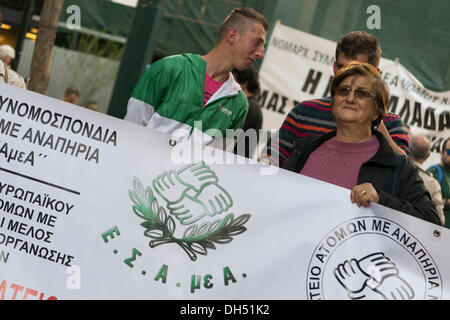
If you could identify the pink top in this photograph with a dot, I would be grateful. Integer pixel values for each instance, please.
(211, 87)
(339, 162)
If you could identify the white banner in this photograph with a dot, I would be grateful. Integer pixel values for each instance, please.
(93, 207)
(298, 66)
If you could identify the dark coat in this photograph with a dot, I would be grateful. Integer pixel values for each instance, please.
(253, 120)
(395, 177)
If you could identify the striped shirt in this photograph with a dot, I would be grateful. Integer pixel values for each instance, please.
(315, 117)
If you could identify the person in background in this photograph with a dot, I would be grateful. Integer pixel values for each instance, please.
(7, 54)
(358, 157)
(71, 95)
(314, 117)
(7, 75)
(248, 80)
(178, 93)
(441, 172)
(92, 105)
(420, 146)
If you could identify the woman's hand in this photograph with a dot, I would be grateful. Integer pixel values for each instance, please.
(363, 194)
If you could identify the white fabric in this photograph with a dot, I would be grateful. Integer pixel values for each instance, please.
(228, 88)
(284, 236)
(139, 112)
(14, 78)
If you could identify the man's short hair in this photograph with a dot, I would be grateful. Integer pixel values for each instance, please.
(71, 90)
(419, 150)
(445, 142)
(240, 19)
(359, 42)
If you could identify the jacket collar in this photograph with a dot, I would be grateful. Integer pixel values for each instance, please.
(420, 168)
(385, 155)
(229, 88)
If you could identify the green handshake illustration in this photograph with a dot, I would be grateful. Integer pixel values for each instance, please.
(192, 193)
(187, 207)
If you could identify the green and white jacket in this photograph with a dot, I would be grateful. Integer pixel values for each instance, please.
(169, 98)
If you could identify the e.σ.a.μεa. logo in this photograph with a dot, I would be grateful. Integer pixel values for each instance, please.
(193, 212)
(372, 258)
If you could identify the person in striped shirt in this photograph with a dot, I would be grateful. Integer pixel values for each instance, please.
(315, 117)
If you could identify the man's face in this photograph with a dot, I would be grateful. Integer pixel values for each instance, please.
(8, 60)
(71, 98)
(343, 60)
(93, 106)
(249, 46)
(444, 157)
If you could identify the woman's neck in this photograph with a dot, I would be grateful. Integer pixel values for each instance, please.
(353, 134)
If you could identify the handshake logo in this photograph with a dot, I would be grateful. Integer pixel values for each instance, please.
(373, 277)
(188, 207)
(192, 193)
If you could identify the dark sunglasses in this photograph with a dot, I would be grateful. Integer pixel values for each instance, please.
(447, 152)
(358, 93)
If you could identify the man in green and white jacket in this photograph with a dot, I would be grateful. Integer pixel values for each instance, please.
(184, 93)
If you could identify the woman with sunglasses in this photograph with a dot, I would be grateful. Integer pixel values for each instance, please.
(358, 157)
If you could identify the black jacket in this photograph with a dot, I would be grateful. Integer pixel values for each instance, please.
(393, 176)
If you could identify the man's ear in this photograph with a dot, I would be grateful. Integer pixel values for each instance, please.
(232, 36)
(334, 67)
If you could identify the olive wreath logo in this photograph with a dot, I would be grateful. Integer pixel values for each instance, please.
(195, 214)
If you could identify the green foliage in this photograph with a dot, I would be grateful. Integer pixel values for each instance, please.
(96, 46)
